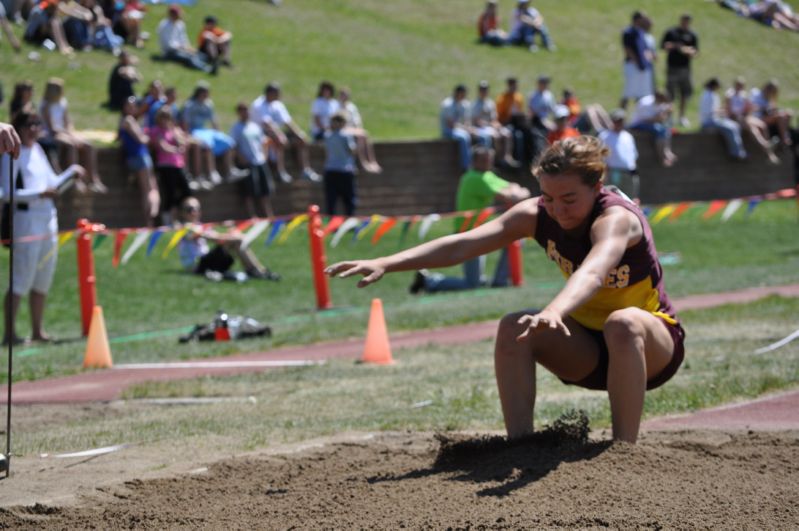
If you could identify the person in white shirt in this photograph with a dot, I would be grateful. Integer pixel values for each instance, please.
(323, 108)
(622, 161)
(526, 22)
(175, 44)
(486, 123)
(35, 224)
(271, 114)
(738, 107)
(653, 115)
(711, 119)
(455, 122)
(365, 148)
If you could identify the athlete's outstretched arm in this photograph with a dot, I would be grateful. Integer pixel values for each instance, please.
(516, 223)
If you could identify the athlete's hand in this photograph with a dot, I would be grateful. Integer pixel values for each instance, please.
(545, 320)
(372, 271)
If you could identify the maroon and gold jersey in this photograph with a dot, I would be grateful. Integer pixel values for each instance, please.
(637, 280)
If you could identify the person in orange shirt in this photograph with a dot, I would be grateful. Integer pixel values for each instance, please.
(214, 42)
(562, 128)
(488, 26)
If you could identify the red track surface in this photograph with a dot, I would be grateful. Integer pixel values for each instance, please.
(772, 413)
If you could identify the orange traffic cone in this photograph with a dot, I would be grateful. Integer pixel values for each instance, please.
(98, 352)
(377, 349)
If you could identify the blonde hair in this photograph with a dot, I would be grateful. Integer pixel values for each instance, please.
(582, 155)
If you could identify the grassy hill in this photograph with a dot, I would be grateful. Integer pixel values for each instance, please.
(401, 58)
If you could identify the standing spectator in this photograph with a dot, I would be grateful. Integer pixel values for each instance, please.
(339, 166)
(170, 144)
(711, 119)
(653, 115)
(454, 122)
(44, 23)
(485, 122)
(214, 42)
(324, 106)
(622, 161)
(682, 45)
(137, 157)
(562, 128)
(526, 22)
(58, 128)
(738, 107)
(6, 26)
(488, 26)
(637, 61)
(36, 187)
(271, 114)
(366, 150)
(651, 47)
(766, 108)
(175, 42)
(479, 188)
(120, 84)
(250, 140)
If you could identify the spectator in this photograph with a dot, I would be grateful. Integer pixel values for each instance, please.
(479, 188)
(22, 101)
(324, 106)
(120, 84)
(271, 114)
(59, 129)
(214, 42)
(137, 157)
(126, 18)
(36, 186)
(562, 128)
(12, 39)
(76, 20)
(682, 45)
(485, 122)
(175, 42)
(711, 119)
(766, 108)
(101, 34)
(525, 24)
(637, 61)
(738, 107)
(653, 115)
(622, 161)
(250, 140)
(215, 263)
(651, 46)
(573, 104)
(44, 24)
(366, 150)
(339, 166)
(170, 144)
(488, 26)
(510, 113)
(454, 121)
(541, 104)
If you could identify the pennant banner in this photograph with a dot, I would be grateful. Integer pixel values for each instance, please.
(483, 216)
(714, 208)
(65, 237)
(174, 241)
(98, 240)
(119, 240)
(257, 229)
(383, 229)
(138, 241)
(279, 224)
(732, 207)
(427, 222)
(373, 222)
(154, 237)
(296, 222)
(334, 223)
(663, 213)
(680, 210)
(345, 227)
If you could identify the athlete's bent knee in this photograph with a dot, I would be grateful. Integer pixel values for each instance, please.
(622, 327)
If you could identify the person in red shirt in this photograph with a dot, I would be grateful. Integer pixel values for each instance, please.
(488, 26)
(562, 128)
(214, 42)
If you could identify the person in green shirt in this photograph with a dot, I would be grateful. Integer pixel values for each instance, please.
(479, 188)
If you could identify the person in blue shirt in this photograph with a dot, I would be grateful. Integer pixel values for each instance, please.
(250, 153)
(339, 175)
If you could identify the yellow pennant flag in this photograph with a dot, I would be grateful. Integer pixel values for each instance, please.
(663, 213)
(174, 241)
(293, 224)
(65, 237)
(373, 221)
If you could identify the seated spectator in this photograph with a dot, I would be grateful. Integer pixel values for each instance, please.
(510, 113)
(137, 157)
(562, 128)
(711, 119)
(487, 126)
(101, 34)
(766, 108)
(271, 114)
(196, 257)
(775, 14)
(454, 120)
(6, 26)
(58, 128)
(214, 42)
(44, 24)
(169, 101)
(169, 143)
(526, 23)
(120, 84)
(250, 140)
(151, 101)
(622, 161)
(339, 175)
(541, 105)
(653, 114)
(510, 103)
(366, 150)
(126, 20)
(573, 104)
(175, 42)
(76, 21)
(738, 107)
(22, 100)
(488, 26)
(324, 106)
(479, 188)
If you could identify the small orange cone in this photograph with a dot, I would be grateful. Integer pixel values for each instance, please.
(98, 352)
(377, 349)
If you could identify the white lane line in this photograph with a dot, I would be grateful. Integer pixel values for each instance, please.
(218, 364)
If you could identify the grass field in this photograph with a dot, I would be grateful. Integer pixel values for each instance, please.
(402, 58)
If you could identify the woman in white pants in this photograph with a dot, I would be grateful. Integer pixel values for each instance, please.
(35, 225)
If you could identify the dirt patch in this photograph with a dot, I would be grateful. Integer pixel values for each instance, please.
(397, 480)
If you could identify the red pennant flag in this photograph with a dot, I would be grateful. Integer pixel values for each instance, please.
(483, 216)
(680, 210)
(467, 220)
(786, 193)
(383, 229)
(119, 240)
(714, 208)
(244, 225)
(334, 223)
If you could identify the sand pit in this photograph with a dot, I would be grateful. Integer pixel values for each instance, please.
(560, 478)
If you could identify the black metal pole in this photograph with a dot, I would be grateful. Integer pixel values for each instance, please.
(10, 338)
